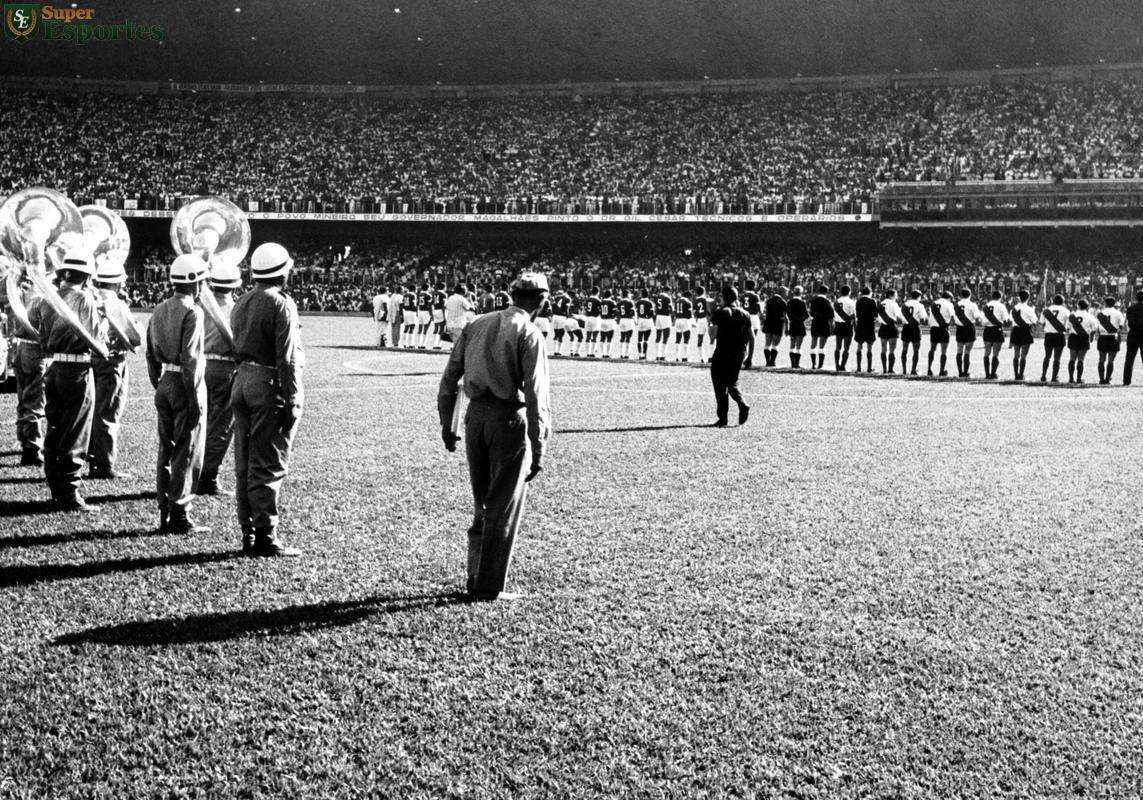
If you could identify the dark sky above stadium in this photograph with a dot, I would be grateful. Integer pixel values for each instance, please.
(514, 41)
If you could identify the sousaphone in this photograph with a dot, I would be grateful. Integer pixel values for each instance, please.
(219, 232)
(36, 226)
(105, 234)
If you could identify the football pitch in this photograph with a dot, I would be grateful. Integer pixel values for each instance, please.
(876, 588)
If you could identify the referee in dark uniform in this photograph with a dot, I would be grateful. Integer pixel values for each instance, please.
(733, 338)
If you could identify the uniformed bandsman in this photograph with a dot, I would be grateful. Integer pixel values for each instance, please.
(110, 379)
(1023, 319)
(996, 318)
(221, 364)
(176, 364)
(844, 313)
(1054, 318)
(267, 398)
(30, 367)
(967, 315)
(915, 316)
(69, 391)
(1111, 322)
(1082, 328)
(501, 358)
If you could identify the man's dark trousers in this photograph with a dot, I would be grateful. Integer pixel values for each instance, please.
(1134, 346)
(70, 394)
(724, 376)
(110, 375)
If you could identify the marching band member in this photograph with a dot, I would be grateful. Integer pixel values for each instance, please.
(940, 317)
(773, 325)
(607, 322)
(865, 312)
(626, 315)
(267, 399)
(68, 386)
(663, 322)
(645, 314)
(821, 326)
(592, 311)
(1112, 322)
(796, 313)
(31, 365)
(844, 313)
(1054, 318)
(967, 315)
(891, 317)
(110, 380)
(176, 364)
(996, 316)
(561, 310)
(915, 317)
(1023, 318)
(221, 364)
(684, 322)
(1134, 336)
(1082, 327)
(702, 311)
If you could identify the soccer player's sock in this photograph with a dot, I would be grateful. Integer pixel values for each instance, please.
(987, 367)
(1071, 371)
(944, 362)
(1079, 371)
(884, 363)
(892, 362)
(1044, 374)
(995, 365)
(869, 360)
(960, 365)
(1110, 369)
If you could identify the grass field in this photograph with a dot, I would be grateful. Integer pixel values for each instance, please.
(877, 588)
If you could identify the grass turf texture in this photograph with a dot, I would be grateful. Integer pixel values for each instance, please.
(874, 589)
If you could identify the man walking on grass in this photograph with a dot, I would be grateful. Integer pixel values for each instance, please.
(733, 338)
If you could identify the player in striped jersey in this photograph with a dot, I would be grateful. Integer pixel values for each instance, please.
(684, 321)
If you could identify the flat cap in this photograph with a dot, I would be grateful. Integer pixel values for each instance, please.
(531, 282)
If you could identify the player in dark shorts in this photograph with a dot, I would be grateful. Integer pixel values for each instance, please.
(865, 326)
(663, 322)
(844, 314)
(967, 315)
(773, 326)
(940, 317)
(1082, 328)
(733, 350)
(752, 305)
(891, 319)
(561, 310)
(1111, 322)
(915, 316)
(684, 322)
(702, 312)
(1055, 321)
(797, 312)
(626, 314)
(645, 322)
(1023, 318)
(439, 316)
(608, 322)
(821, 326)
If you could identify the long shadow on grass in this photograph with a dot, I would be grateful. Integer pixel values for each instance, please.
(19, 508)
(631, 430)
(24, 479)
(75, 536)
(202, 628)
(24, 575)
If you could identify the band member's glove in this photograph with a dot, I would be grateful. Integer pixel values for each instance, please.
(450, 439)
(534, 471)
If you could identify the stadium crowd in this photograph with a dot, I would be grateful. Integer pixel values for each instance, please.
(686, 153)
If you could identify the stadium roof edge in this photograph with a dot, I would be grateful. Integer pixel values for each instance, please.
(798, 83)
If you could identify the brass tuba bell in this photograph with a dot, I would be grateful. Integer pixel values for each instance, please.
(106, 236)
(36, 225)
(218, 231)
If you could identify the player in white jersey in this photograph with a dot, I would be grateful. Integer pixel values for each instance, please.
(1111, 323)
(1023, 318)
(967, 316)
(1082, 328)
(941, 316)
(996, 319)
(915, 316)
(1054, 318)
(890, 316)
(844, 313)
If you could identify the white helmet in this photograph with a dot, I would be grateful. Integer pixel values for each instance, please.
(109, 271)
(225, 276)
(188, 269)
(270, 260)
(79, 259)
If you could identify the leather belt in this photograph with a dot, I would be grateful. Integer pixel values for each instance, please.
(71, 358)
(22, 340)
(220, 357)
(171, 368)
(257, 365)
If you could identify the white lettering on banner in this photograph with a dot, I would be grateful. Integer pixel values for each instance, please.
(302, 216)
